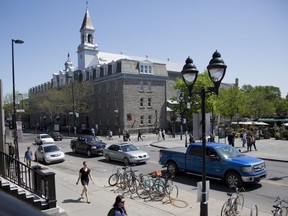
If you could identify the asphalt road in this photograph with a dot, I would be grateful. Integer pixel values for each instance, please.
(262, 194)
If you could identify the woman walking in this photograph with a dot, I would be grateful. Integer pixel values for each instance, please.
(84, 175)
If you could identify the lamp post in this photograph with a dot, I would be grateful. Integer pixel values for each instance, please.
(14, 105)
(216, 70)
(73, 106)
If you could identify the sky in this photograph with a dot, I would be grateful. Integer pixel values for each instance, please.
(251, 35)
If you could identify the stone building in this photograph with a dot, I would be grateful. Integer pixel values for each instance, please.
(128, 92)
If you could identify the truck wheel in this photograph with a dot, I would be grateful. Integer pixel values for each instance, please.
(172, 168)
(233, 179)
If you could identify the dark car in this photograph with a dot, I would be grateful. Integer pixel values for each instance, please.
(88, 145)
(56, 136)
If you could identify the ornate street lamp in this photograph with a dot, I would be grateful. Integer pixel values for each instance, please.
(216, 70)
(14, 105)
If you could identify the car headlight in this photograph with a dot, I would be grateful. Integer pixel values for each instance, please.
(248, 169)
(94, 147)
(133, 157)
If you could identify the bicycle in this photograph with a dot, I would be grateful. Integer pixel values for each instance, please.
(234, 205)
(143, 188)
(279, 208)
(169, 188)
(115, 177)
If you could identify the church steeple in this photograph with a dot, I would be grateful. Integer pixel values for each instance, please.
(88, 49)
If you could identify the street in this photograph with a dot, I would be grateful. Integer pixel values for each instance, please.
(263, 194)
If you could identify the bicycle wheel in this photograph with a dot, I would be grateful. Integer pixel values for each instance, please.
(142, 190)
(113, 179)
(124, 182)
(132, 185)
(239, 203)
(254, 210)
(226, 210)
(157, 192)
(173, 193)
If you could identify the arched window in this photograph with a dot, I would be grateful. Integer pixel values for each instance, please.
(90, 38)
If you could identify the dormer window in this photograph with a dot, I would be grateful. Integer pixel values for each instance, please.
(145, 67)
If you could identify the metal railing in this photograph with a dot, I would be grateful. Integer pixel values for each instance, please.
(31, 179)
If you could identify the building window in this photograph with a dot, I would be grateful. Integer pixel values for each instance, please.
(141, 102)
(87, 75)
(142, 120)
(150, 119)
(118, 68)
(141, 86)
(149, 89)
(149, 102)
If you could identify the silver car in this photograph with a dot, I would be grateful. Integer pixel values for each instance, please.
(49, 153)
(126, 153)
(43, 138)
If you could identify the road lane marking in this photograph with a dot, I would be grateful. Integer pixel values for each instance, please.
(275, 183)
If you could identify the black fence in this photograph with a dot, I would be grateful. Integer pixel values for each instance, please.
(32, 179)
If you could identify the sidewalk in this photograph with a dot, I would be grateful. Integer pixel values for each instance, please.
(102, 195)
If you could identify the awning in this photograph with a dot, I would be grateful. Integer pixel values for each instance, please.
(273, 119)
(172, 102)
(168, 109)
(250, 123)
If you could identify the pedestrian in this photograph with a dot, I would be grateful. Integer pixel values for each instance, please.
(92, 131)
(84, 175)
(191, 139)
(249, 141)
(253, 142)
(163, 134)
(118, 208)
(110, 134)
(139, 135)
(128, 136)
(231, 138)
(244, 138)
(159, 134)
(28, 156)
(11, 152)
(11, 149)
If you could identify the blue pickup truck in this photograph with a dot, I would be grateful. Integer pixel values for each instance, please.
(223, 162)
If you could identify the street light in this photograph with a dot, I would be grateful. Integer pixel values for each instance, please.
(216, 70)
(73, 107)
(14, 106)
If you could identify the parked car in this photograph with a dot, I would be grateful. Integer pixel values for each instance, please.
(223, 162)
(56, 136)
(88, 145)
(49, 153)
(126, 153)
(43, 138)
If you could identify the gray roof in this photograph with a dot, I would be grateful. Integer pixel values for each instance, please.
(87, 22)
(105, 58)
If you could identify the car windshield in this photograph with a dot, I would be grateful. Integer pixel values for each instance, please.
(51, 148)
(128, 148)
(228, 152)
(91, 139)
(45, 136)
